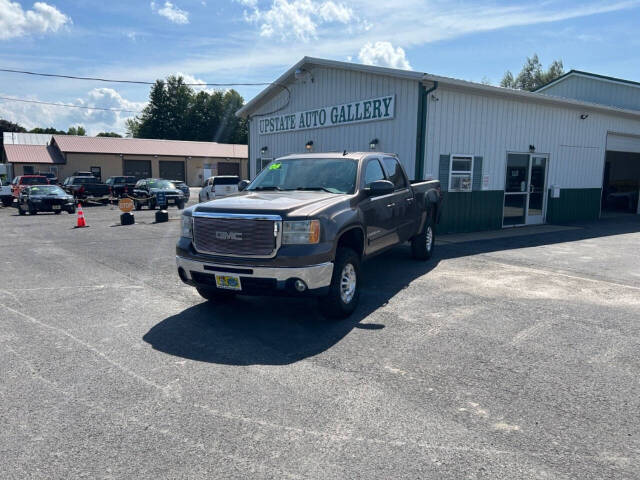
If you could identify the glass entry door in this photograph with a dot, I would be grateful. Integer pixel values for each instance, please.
(525, 192)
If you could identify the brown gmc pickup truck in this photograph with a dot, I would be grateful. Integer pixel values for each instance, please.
(303, 227)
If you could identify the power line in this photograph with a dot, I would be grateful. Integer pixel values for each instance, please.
(135, 82)
(69, 106)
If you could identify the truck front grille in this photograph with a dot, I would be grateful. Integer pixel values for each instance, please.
(234, 236)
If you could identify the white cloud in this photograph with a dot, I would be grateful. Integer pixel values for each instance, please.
(32, 115)
(171, 12)
(43, 18)
(383, 54)
(296, 18)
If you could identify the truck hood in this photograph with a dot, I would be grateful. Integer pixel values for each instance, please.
(296, 204)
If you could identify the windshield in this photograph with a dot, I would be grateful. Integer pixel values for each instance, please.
(46, 190)
(161, 184)
(334, 175)
(34, 180)
(85, 180)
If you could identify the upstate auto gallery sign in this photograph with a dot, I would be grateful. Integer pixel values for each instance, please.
(382, 108)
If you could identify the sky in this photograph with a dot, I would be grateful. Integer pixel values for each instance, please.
(257, 40)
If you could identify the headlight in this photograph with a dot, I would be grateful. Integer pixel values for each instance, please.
(187, 226)
(301, 232)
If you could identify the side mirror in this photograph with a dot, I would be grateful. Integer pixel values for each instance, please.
(243, 185)
(380, 187)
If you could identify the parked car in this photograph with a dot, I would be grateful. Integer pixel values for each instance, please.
(86, 188)
(304, 226)
(52, 177)
(156, 192)
(120, 186)
(217, 187)
(183, 187)
(45, 198)
(6, 196)
(23, 181)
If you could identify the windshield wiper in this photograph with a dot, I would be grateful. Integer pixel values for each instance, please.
(267, 188)
(319, 189)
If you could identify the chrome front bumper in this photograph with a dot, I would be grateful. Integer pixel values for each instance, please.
(315, 276)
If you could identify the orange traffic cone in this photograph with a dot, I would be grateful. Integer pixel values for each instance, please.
(81, 221)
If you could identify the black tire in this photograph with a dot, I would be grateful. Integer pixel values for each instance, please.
(422, 245)
(71, 210)
(180, 205)
(20, 210)
(137, 205)
(215, 295)
(57, 212)
(152, 204)
(7, 202)
(32, 210)
(339, 304)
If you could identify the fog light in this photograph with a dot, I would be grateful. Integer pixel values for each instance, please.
(300, 285)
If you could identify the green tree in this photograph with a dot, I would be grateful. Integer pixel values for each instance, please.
(49, 131)
(533, 75)
(176, 112)
(109, 134)
(79, 130)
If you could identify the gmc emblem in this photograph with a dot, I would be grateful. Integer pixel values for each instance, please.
(229, 235)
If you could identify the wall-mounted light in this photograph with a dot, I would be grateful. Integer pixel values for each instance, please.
(584, 116)
(303, 75)
(373, 144)
(532, 148)
(263, 150)
(309, 145)
(434, 98)
(121, 156)
(155, 156)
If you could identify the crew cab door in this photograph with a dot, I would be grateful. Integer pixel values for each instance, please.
(378, 217)
(402, 203)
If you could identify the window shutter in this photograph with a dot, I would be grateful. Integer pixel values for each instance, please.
(445, 162)
(477, 174)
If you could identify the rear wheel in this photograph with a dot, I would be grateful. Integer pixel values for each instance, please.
(215, 295)
(423, 243)
(344, 291)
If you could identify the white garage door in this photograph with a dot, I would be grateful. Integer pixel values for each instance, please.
(623, 143)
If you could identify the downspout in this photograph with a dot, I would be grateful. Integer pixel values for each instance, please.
(422, 129)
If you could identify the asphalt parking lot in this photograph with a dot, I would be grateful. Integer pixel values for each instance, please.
(502, 358)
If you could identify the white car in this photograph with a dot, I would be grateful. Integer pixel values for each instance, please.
(6, 197)
(219, 186)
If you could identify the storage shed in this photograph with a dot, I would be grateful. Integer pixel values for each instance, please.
(505, 157)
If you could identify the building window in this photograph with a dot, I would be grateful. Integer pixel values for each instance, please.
(261, 163)
(461, 173)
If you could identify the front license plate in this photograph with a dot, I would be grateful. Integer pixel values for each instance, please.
(228, 282)
(57, 207)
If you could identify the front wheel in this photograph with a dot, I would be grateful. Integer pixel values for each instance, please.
(21, 210)
(423, 243)
(137, 205)
(215, 295)
(344, 291)
(180, 205)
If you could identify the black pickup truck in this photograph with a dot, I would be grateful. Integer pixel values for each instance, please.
(303, 227)
(121, 186)
(86, 188)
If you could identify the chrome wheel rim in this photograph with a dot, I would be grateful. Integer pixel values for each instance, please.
(348, 282)
(429, 236)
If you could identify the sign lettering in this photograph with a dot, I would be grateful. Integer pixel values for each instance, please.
(382, 108)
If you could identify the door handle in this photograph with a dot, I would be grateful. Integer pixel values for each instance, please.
(391, 205)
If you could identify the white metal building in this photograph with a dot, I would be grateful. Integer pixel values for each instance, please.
(504, 157)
